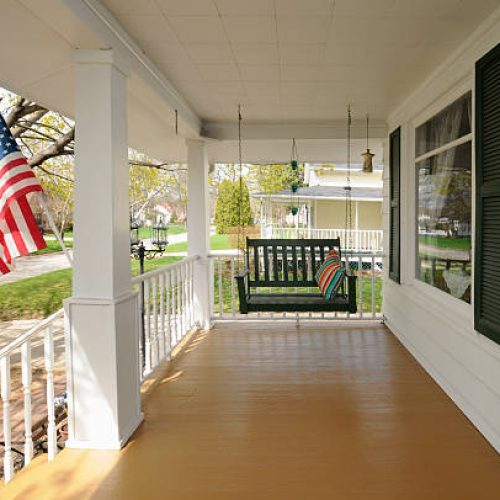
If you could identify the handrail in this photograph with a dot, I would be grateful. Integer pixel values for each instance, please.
(156, 272)
(19, 341)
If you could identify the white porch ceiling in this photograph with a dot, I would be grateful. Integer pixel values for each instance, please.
(297, 60)
(290, 63)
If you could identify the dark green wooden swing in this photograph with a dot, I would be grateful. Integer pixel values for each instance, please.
(278, 264)
(290, 263)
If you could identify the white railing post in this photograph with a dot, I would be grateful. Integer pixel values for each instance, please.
(26, 381)
(8, 465)
(49, 368)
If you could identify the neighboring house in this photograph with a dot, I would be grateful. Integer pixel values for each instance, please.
(322, 206)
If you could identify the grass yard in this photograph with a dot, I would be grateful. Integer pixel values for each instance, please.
(217, 242)
(145, 232)
(461, 243)
(228, 283)
(53, 246)
(42, 295)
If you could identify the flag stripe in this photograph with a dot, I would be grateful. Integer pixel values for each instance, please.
(19, 233)
(27, 186)
(31, 226)
(14, 230)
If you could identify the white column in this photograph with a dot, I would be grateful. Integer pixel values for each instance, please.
(198, 229)
(102, 317)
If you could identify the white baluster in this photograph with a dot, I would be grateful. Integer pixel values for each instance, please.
(154, 291)
(185, 269)
(49, 368)
(233, 298)
(147, 327)
(373, 288)
(219, 267)
(175, 336)
(180, 305)
(8, 465)
(360, 285)
(162, 316)
(191, 292)
(168, 293)
(26, 381)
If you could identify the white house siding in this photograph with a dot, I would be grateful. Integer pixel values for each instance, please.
(330, 214)
(437, 329)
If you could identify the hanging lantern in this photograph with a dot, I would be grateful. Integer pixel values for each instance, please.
(294, 210)
(159, 235)
(295, 187)
(367, 155)
(134, 232)
(294, 164)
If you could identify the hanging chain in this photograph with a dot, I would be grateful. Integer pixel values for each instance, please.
(348, 202)
(240, 183)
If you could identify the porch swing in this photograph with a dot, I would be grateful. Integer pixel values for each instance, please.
(293, 263)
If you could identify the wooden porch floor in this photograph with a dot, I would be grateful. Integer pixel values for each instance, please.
(268, 411)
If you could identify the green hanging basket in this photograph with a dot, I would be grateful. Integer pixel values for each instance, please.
(295, 186)
(294, 210)
(294, 164)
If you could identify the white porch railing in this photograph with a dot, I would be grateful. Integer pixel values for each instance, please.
(367, 267)
(362, 239)
(166, 310)
(30, 381)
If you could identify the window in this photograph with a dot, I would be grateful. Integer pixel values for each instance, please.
(443, 162)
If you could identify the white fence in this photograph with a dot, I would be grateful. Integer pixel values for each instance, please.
(369, 240)
(28, 393)
(167, 311)
(33, 374)
(366, 266)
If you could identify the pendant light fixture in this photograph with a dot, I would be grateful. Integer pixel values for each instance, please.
(367, 155)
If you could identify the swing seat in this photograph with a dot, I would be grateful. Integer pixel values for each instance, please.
(275, 265)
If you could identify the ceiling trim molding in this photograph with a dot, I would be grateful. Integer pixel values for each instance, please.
(100, 20)
(228, 131)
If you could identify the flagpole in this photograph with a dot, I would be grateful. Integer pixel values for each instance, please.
(52, 224)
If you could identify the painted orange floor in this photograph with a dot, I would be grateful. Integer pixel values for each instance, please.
(273, 412)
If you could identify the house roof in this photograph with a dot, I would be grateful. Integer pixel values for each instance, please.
(327, 193)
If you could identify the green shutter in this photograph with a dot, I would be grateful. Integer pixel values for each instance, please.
(487, 245)
(395, 197)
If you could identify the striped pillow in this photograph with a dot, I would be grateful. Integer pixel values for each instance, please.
(331, 274)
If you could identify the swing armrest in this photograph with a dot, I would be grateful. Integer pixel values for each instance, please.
(241, 280)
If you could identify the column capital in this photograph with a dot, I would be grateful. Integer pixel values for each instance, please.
(102, 56)
(196, 142)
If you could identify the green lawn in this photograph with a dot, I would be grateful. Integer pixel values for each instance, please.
(145, 232)
(227, 291)
(41, 296)
(217, 242)
(53, 246)
(462, 243)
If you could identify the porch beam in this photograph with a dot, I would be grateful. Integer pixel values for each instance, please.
(101, 21)
(336, 129)
(102, 316)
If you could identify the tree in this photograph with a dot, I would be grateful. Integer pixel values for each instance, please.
(232, 208)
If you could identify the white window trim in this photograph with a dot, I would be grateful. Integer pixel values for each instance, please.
(457, 306)
(449, 145)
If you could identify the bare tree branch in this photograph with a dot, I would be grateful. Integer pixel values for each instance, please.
(55, 149)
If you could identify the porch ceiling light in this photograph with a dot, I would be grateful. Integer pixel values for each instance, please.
(159, 235)
(367, 155)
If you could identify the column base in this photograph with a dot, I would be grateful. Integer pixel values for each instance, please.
(102, 359)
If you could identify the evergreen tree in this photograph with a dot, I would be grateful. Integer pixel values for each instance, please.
(227, 214)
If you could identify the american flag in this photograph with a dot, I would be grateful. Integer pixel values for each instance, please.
(19, 233)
